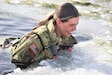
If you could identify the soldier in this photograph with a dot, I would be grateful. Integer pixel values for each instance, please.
(50, 36)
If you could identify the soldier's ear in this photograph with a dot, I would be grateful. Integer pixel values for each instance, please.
(58, 21)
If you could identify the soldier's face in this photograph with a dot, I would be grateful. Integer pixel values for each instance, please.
(66, 28)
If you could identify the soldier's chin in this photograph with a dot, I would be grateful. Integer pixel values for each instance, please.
(67, 35)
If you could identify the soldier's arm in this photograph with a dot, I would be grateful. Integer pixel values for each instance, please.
(67, 43)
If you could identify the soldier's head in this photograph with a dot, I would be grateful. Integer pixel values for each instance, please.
(66, 18)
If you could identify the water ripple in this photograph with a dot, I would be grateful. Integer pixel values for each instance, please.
(15, 25)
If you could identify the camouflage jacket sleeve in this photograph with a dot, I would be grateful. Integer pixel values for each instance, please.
(67, 42)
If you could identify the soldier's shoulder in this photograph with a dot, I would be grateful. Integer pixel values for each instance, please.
(41, 29)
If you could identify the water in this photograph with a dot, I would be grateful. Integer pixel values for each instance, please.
(91, 56)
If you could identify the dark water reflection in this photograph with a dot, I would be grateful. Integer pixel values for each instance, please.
(11, 25)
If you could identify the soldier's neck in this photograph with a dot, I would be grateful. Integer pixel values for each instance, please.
(58, 32)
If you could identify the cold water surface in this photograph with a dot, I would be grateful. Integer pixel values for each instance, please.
(91, 56)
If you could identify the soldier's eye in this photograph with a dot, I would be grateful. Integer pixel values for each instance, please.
(71, 25)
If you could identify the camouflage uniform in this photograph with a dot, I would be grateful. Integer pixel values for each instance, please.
(40, 44)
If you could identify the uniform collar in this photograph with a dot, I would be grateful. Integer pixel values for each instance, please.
(51, 28)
